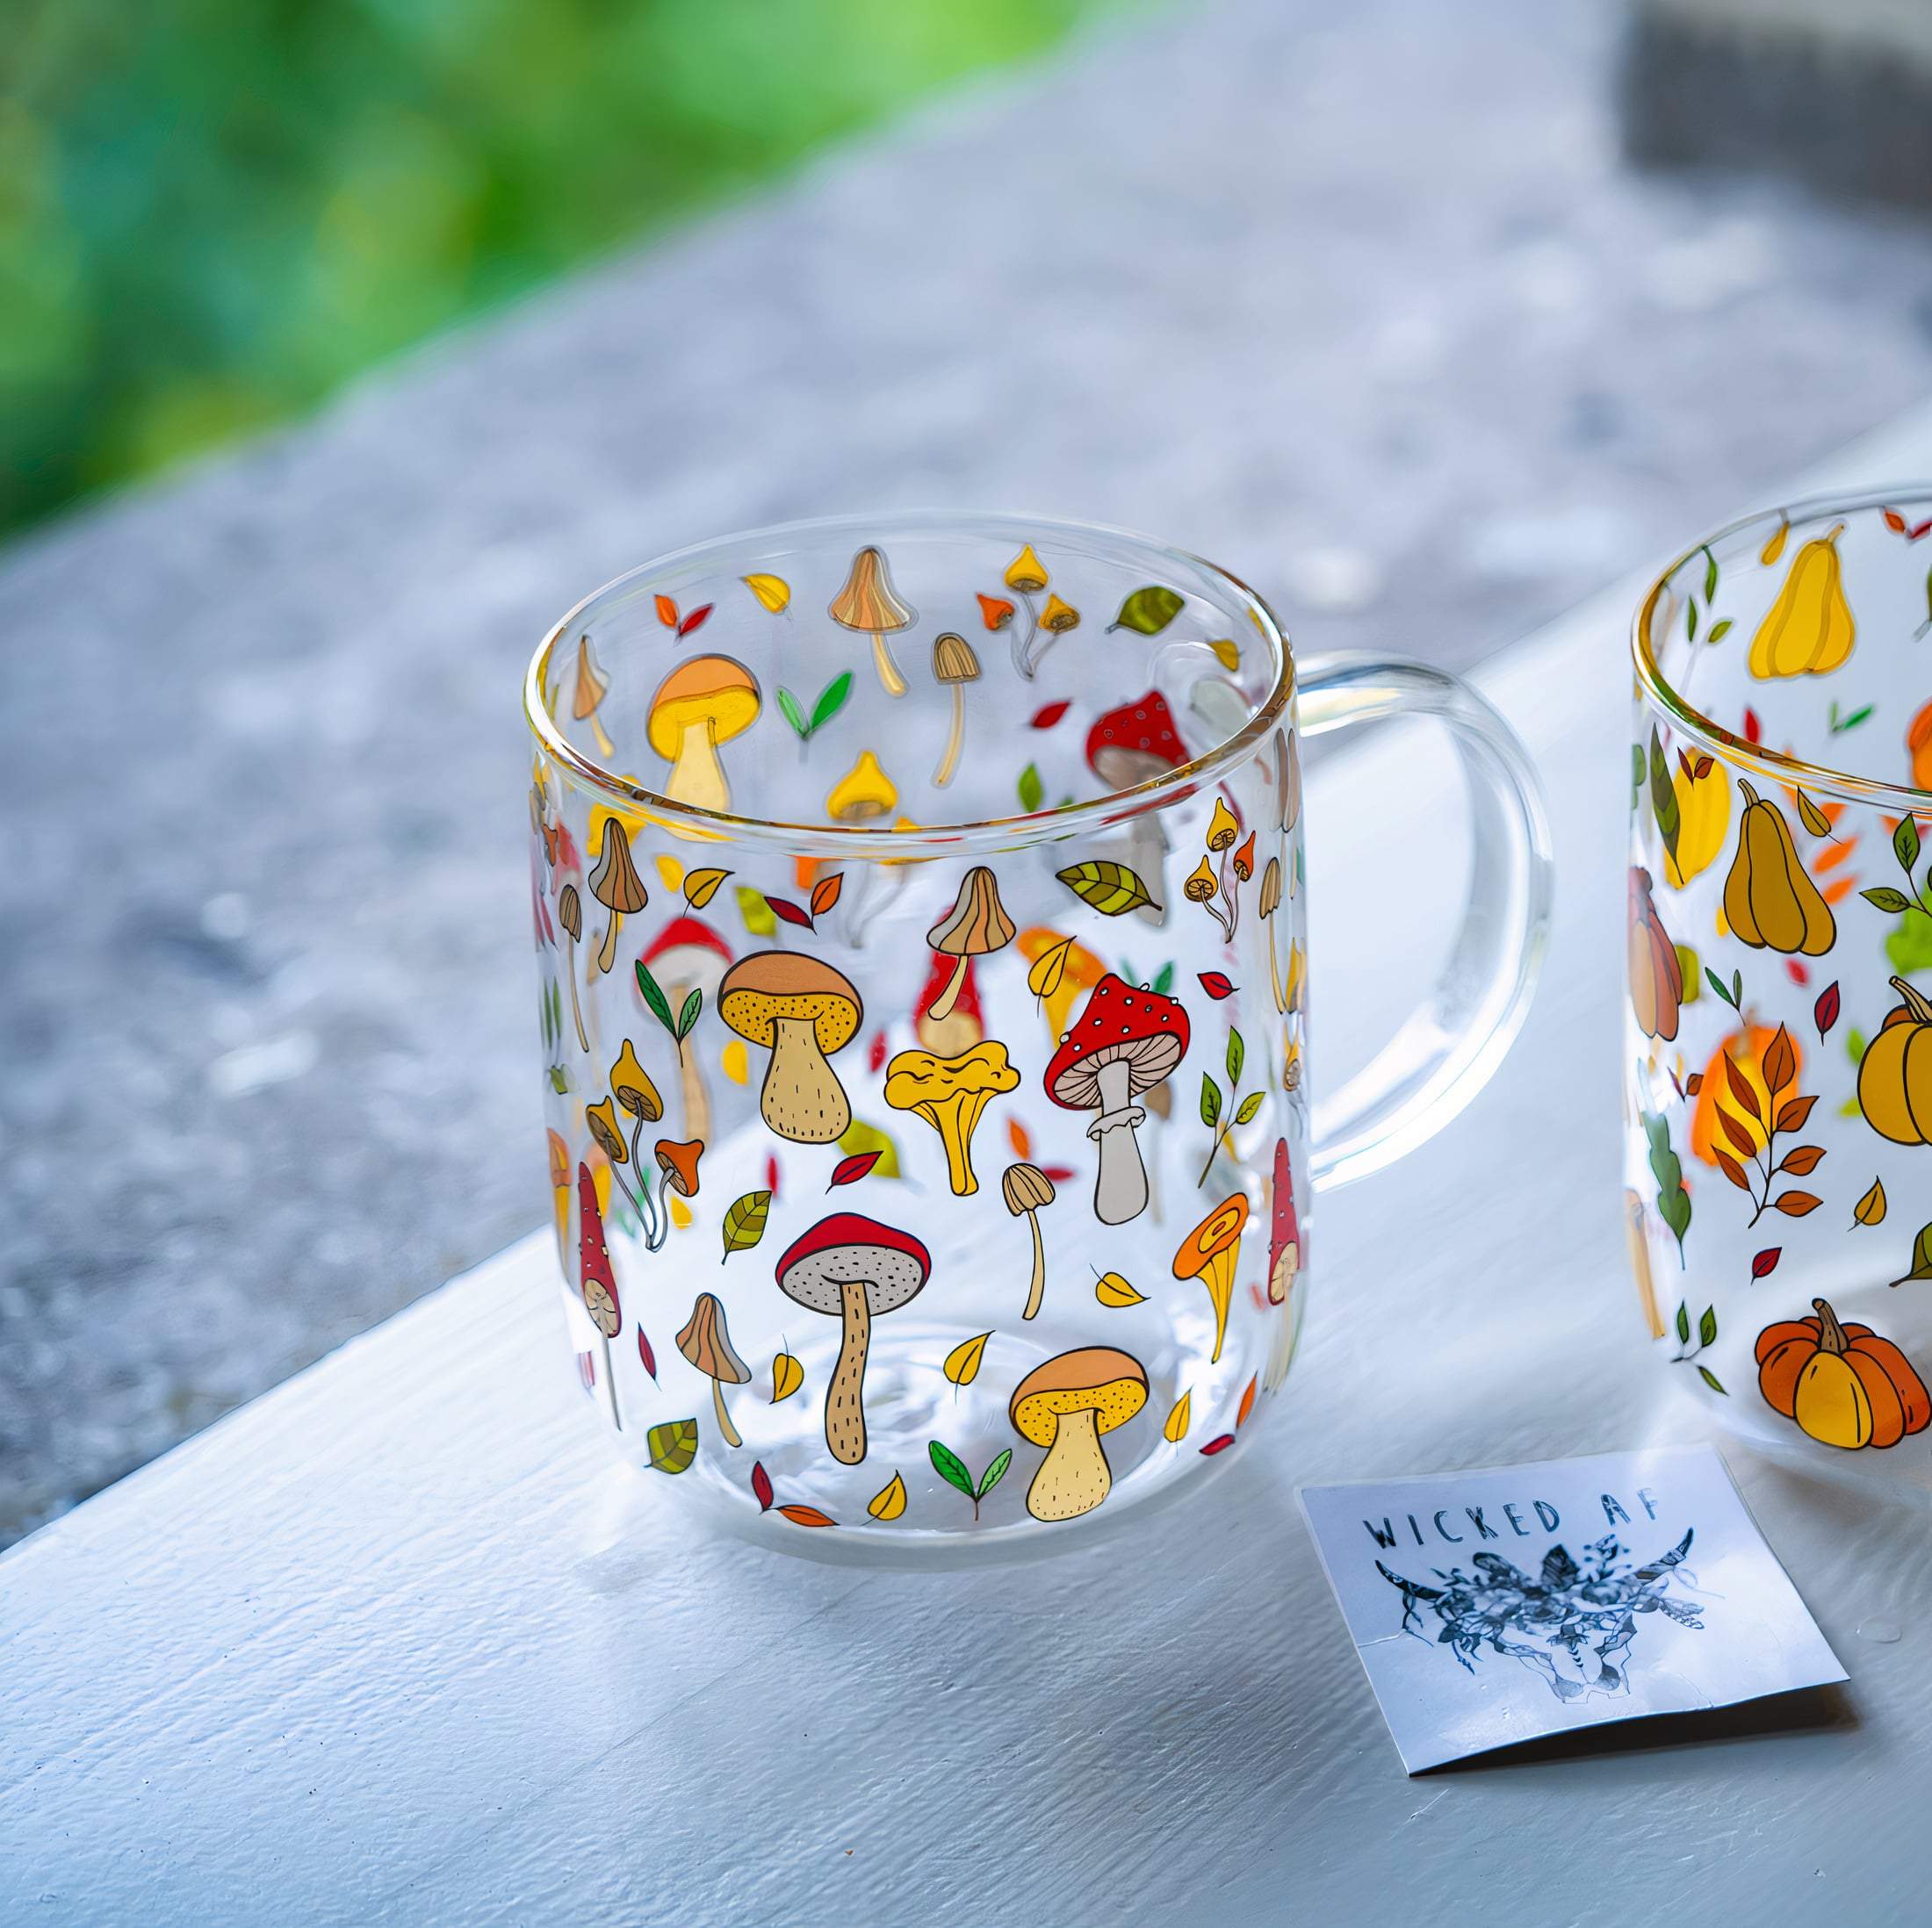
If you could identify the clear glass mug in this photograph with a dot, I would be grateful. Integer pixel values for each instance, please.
(1778, 1054)
(920, 913)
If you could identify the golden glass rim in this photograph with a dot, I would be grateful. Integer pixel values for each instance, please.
(928, 841)
(1897, 799)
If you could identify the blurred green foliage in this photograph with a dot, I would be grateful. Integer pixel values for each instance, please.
(213, 210)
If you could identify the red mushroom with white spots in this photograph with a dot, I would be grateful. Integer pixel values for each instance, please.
(1130, 745)
(1124, 1042)
(690, 955)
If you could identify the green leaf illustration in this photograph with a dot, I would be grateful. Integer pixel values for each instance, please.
(1921, 1257)
(950, 1468)
(1210, 1101)
(1691, 620)
(660, 1007)
(1673, 1201)
(1720, 985)
(1710, 575)
(831, 700)
(793, 713)
(1250, 1106)
(1684, 1324)
(996, 1470)
(1718, 631)
(1636, 774)
(1712, 1380)
(1237, 1054)
(744, 1222)
(1904, 845)
(1032, 790)
(672, 1446)
(1663, 797)
(1148, 611)
(1164, 979)
(1884, 898)
(688, 1016)
(1707, 1327)
(1111, 888)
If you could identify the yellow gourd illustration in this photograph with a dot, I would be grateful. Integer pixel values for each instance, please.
(1704, 820)
(1770, 899)
(1808, 631)
(1895, 1074)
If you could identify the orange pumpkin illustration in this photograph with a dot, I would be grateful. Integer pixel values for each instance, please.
(1918, 740)
(1745, 1049)
(1895, 1076)
(1843, 1385)
(1656, 977)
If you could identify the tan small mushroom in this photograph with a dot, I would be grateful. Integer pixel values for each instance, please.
(1026, 1188)
(869, 604)
(615, 883)
(977, 924)
(801, 1010)
(593, 686)
(707, 1343)
(702, 703)
(1066, 1404)
(570, 914)
(1269, 902)
(954, 664)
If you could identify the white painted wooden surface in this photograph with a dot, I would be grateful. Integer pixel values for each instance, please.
(398, 1643)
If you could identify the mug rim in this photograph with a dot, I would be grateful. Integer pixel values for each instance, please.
(927, 839)
(1775, 766)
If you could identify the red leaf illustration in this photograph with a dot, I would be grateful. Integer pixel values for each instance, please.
(1218, 1445)
(645, 1352)
(1048, 714)
(668, 611)
(1825, 1011)
(761, 1485)
(790, 912)
(1766, 1261)
(848, 1171)
(696, 616)
(1799, 973)
(1058, 1175)
(808, 1517)
(1753, 731)
(1920, 529)
(825, 893)
(875, 1052)
(771, 1176)
(1215, 985)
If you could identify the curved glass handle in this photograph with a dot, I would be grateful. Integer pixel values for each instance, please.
(1449, 1045)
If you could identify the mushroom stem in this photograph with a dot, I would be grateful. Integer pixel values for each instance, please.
(949, 762)
(725, 1426)
(802, 1099)
(1147, 848)
(610, 1382)
(697, 778)
(1119, 1187)
(576, 1009)
(845, 1397)
(1074, 1477)
(1022, 645)
(605, 747)
(1274, 972)
(606, 952)
(889, 671)
(941, 1006)
(1218, 1276)
(1037, 1290)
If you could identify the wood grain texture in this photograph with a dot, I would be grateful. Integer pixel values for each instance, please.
(398, 1643)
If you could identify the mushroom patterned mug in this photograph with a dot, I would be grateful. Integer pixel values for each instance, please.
(1778, 1057)
(920, 914)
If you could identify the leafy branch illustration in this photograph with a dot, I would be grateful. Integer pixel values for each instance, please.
(831, 701)
(952, 1469)
(681, 1027)
(1905, 848)
(1673, 1201)
(1211, 1115)
(1753, 1165)
(824, 894)
(1707, 1335)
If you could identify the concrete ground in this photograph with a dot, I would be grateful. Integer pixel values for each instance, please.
(1360, 300)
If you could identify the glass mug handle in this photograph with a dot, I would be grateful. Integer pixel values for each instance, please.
(1446, 1048)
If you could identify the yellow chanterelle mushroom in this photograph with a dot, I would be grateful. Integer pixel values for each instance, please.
(950, 1094)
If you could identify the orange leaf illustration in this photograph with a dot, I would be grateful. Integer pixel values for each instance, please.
(1016, 1136)
(808, 1517)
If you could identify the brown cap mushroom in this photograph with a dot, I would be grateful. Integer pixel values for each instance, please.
(1026, 1188)
(1269, 902)
(869, 604)
(615, 883)
(950, 1094)
(1065, 1405)
(977, 924)
(593, 686)
(954, 663)
(1210, 1253)
(1124, 1042)
(855, 1270)
(707, 1344)
(570, 914)
(801, 1010)
(702, 703)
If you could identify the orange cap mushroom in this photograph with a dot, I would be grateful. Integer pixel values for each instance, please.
(702, 703)
(1065, 1405)
(1210, 1253)
(802, 1012)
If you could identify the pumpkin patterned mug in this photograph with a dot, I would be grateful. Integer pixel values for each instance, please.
(920, 913)
(1778, 1087)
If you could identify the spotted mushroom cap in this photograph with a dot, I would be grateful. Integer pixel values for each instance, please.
(848, 1247)
(1143, 1028)
(760, 989)
(1135, 742)
(1109, 1384)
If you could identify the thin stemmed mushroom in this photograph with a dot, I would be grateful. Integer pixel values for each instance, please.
(977, 923)
(688, 955)
(602, 1121)
(702, 703)
(854, 1269)
(802, 1012)
(861, 796)
(615, 883)
(630, 1085)
(954, 664)
(950, 1094)
(1128, 746)
(595, 1279)
(707, 1343)
(1026, 1188)
(570, 914)
(1124, 1042)
(1065, 1405)
(870, 604)
(1269, 902)
(677, 1172)
(593, 686)
(1209, 1253)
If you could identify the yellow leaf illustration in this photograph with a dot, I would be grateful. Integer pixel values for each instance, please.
(680, 1214)
(1113, 1290)
(1048, 968)
(787, 1376)
(1813, 820)
(1775, 547)
(888, 1503)
(962, 1361)
(773, 591)
(1871, 1208)
(1176, 1429)
(671, 870)
(735, 1062)
(1226, 653)
(701, 886)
